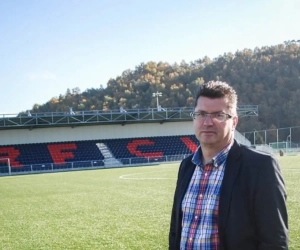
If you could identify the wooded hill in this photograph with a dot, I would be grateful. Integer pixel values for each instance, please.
(268, 77)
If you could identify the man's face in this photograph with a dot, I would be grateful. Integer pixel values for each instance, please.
(210, 132)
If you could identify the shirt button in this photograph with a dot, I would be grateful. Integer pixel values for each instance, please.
(200, 195)
(191, 239)
(205, 174)
(196, 217)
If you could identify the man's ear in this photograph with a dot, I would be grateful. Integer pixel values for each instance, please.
(235, 121)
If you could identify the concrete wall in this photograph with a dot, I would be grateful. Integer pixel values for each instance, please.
(59, 134)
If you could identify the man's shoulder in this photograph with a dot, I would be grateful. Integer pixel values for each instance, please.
(188, 158)
(257, 159)
(253, 152)
(186, 162)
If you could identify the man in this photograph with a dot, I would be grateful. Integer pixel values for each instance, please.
(228, 196)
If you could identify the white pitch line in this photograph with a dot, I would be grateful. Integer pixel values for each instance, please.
(158, 178)
(126, 176)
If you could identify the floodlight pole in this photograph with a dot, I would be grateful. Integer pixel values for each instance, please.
(157, 94)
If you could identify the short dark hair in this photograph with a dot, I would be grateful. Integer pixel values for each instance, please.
(218, 89)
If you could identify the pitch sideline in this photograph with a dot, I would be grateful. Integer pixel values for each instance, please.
(127, 176)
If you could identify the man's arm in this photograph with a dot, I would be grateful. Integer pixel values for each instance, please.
(174, 222)
(270, 210)
(172, 231)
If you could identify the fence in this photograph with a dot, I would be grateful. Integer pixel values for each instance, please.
(281, 137)
(85, 165)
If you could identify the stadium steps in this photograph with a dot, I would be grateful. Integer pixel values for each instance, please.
(109, 159)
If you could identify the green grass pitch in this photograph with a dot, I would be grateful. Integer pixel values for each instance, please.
(122, 208)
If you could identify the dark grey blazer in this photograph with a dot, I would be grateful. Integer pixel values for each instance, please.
(252, 206)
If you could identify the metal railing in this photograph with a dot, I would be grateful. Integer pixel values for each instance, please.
(78, 118)
(87, 165)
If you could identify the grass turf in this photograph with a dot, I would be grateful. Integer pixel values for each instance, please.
(97, 209)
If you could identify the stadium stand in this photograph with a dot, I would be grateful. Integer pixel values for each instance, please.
(54, 141)
(63, 155)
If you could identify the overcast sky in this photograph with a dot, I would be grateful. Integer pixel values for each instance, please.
(47, 46)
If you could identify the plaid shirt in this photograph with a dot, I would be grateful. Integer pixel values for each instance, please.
(200, 205)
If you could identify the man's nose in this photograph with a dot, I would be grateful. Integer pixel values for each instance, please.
(208, 120)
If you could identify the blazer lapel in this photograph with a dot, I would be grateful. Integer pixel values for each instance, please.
(231, 171)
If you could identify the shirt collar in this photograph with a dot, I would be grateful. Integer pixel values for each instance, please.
(217, 160)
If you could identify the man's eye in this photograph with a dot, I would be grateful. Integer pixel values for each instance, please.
(200, 115)
(220, 115)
